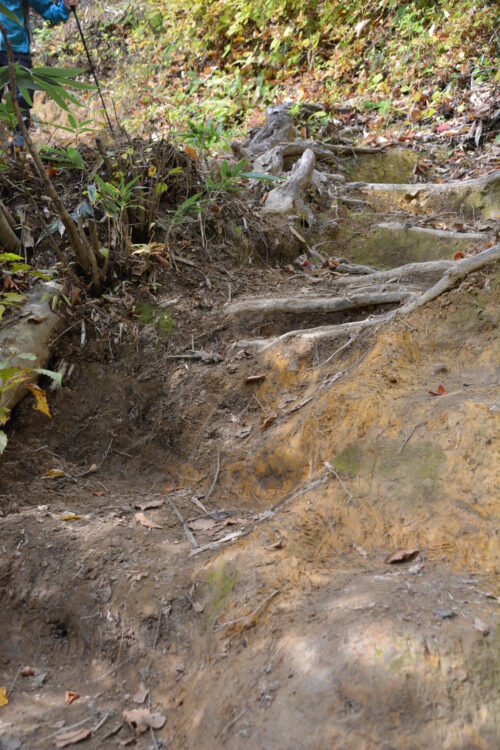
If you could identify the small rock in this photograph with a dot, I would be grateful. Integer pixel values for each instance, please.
(38, 680)
(7, 742)
(481, 626)
(415, 569)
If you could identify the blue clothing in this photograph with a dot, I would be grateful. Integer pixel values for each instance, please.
(18, 35)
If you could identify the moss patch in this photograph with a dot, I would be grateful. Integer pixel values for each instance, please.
(217, 587)
(159, 318)
(350, 460)
(417, 468)
(391, 167)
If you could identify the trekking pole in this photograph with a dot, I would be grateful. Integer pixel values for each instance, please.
(93, 70)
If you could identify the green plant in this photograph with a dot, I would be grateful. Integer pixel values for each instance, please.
(63, 158)
(55, 82)
(231, 177)
(115, 196)
(10, 265)
(13, 375)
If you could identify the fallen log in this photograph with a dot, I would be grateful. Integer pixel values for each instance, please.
(29, 333)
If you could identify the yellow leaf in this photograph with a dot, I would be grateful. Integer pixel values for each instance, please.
(55, 473)
(40, 398)
(71, 517)
(3, 697)
(151, 171)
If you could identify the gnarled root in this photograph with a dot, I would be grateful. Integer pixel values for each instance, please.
(289, 198)
(449, 273)
(279, 127)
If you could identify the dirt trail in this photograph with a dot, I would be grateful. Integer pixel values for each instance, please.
(315, 458)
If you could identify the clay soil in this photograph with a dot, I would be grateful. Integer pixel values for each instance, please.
(294, 632)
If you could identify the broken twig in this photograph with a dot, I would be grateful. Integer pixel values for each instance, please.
(330, 468)
(251, 614)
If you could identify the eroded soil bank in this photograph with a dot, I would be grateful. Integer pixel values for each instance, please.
(313, 461)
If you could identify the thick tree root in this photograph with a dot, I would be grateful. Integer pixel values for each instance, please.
(459, 271)
(423, 273)
(315, 305)
(317, 333)
(450, 273)
(289, 198)
(428, 233)
(479, 197)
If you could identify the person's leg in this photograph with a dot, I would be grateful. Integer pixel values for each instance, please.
(24, 106)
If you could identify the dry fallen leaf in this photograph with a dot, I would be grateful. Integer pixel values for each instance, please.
(3, 697)
(198, 607)
(144, 521)
(27, 672)
(149, 504)
(65, 739)
(70, 697)
(141, 719)
(55, 474)
(35, 318)
(458, 256)
(268, 422)
(202, 524)
(40, 398)
(255, 378)
(441, 390)
(402, 555)
(140, 694)
(191, 152)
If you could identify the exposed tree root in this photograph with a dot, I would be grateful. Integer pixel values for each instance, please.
(476, 197)
(315, 334)
(313, 305)
(459, 271)
(289, 198)
(450, 274)
(278, 127)
(425, 273)
(429, 233)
